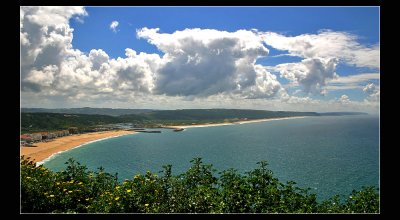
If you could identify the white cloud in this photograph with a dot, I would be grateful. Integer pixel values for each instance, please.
(50, 67)
(46, 39)
(327, 44)
(321, 53)
(114, 25)
(344, 99)
(358, 78)
(357, 81)
(370, 88)
(43, 77)
(312, 74)
(199, 67)
(204, 62)
(373, 91)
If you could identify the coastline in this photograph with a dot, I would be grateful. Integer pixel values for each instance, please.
(233, 123)
(45, 151)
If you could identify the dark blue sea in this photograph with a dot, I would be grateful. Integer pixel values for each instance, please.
(330, 154)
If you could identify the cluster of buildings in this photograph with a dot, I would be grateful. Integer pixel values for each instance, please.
(28, 139)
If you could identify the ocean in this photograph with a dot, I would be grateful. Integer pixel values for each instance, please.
(330, 154)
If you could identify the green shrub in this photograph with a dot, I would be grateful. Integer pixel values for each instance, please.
(77, 190)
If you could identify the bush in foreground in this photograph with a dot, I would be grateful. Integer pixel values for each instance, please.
(77, 190)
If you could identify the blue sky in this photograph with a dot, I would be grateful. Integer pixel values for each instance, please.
(278, 58)
(94, 32)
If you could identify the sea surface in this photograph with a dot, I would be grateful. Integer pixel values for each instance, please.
(330, 154)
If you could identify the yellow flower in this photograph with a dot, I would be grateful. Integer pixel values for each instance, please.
(87, 199)
(80, 183)
(51, 195)
(64, 190)
(116, 198)
(136, 176)
(57, 183)
(146, 204)
(117, 187)
(72, 181)
(128, 190)
(43, 168)
(70, 191)
(28, 177)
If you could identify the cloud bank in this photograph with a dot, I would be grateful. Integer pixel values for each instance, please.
(200, 65)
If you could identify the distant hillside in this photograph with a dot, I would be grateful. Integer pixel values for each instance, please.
(31, 122)
(220, 114)
(88, 111)
(341, 113)
(46, 121)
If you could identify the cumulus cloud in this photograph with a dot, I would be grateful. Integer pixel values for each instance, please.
(197, 67)
(45, 42)
(203, 62)
(344, 99)
(357, 81)
(312, 74)
(50, 66)
(373, 92)
(321, 53)
(326, 44)
(113, 26)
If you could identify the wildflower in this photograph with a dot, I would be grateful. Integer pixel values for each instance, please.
(72, 181)
(28, 177)
(43, 168)
(129, 190)
(80, 183)
(64, 190)
(52, 195)
(116, 198)
(146, 204)
(87, 199)
(136, 176)
(117, 187)
(70, 191)
(57, 183)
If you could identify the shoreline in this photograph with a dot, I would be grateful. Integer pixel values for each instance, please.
(233, 123)
(45, 151)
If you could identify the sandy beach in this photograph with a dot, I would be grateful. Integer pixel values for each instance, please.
(234, 123)
(44, 150)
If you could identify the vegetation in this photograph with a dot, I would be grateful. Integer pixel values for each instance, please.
(77, 190)
(87, 111)
(45, 121)
(32, 122)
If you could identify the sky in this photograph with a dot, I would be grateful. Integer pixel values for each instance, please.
(273, 58)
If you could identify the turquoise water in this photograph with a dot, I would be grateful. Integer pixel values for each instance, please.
(331, 155)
